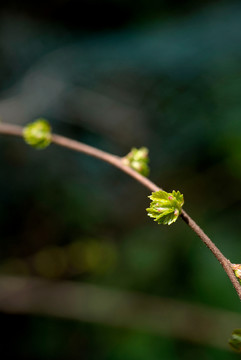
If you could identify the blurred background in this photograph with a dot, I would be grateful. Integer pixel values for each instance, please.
(84, 273)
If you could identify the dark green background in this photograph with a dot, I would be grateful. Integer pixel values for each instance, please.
(116, 74)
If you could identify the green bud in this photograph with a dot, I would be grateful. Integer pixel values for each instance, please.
(165, 207)
(138, 160)
(235, 340)
(38, 134)
(237, 270)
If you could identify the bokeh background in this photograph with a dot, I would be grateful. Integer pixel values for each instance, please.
(84, 274)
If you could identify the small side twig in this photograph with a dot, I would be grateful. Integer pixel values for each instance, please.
(116, 161)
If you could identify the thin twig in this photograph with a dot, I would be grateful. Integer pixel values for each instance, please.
(116, 161)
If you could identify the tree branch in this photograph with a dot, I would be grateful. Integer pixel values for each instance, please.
(116, 161)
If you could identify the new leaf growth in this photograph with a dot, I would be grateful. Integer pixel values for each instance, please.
(38, 134)
(237, 271)
(138, 160)
(165, 207)
(235, 340)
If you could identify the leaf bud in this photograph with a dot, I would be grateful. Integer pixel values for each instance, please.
(237, 271)
(138, 160)
(165, 207)
(235, 340)
(37, 134)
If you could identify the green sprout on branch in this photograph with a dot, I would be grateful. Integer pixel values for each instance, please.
(237, 271)
(37, 134)
(165, 207)
(235, 340)
(138, 160)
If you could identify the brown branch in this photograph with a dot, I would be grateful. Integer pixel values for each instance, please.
(226, 264)
(116, 161)
(111, 159)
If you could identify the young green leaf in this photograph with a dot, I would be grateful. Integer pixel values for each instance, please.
(38, 134)
(237, 271)
(138, 160)
(235, 340)
(165, 207)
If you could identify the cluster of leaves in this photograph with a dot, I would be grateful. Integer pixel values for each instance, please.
(38, 134)
(138, 160)
(237, 271)
(165, 207)
(235, 340)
